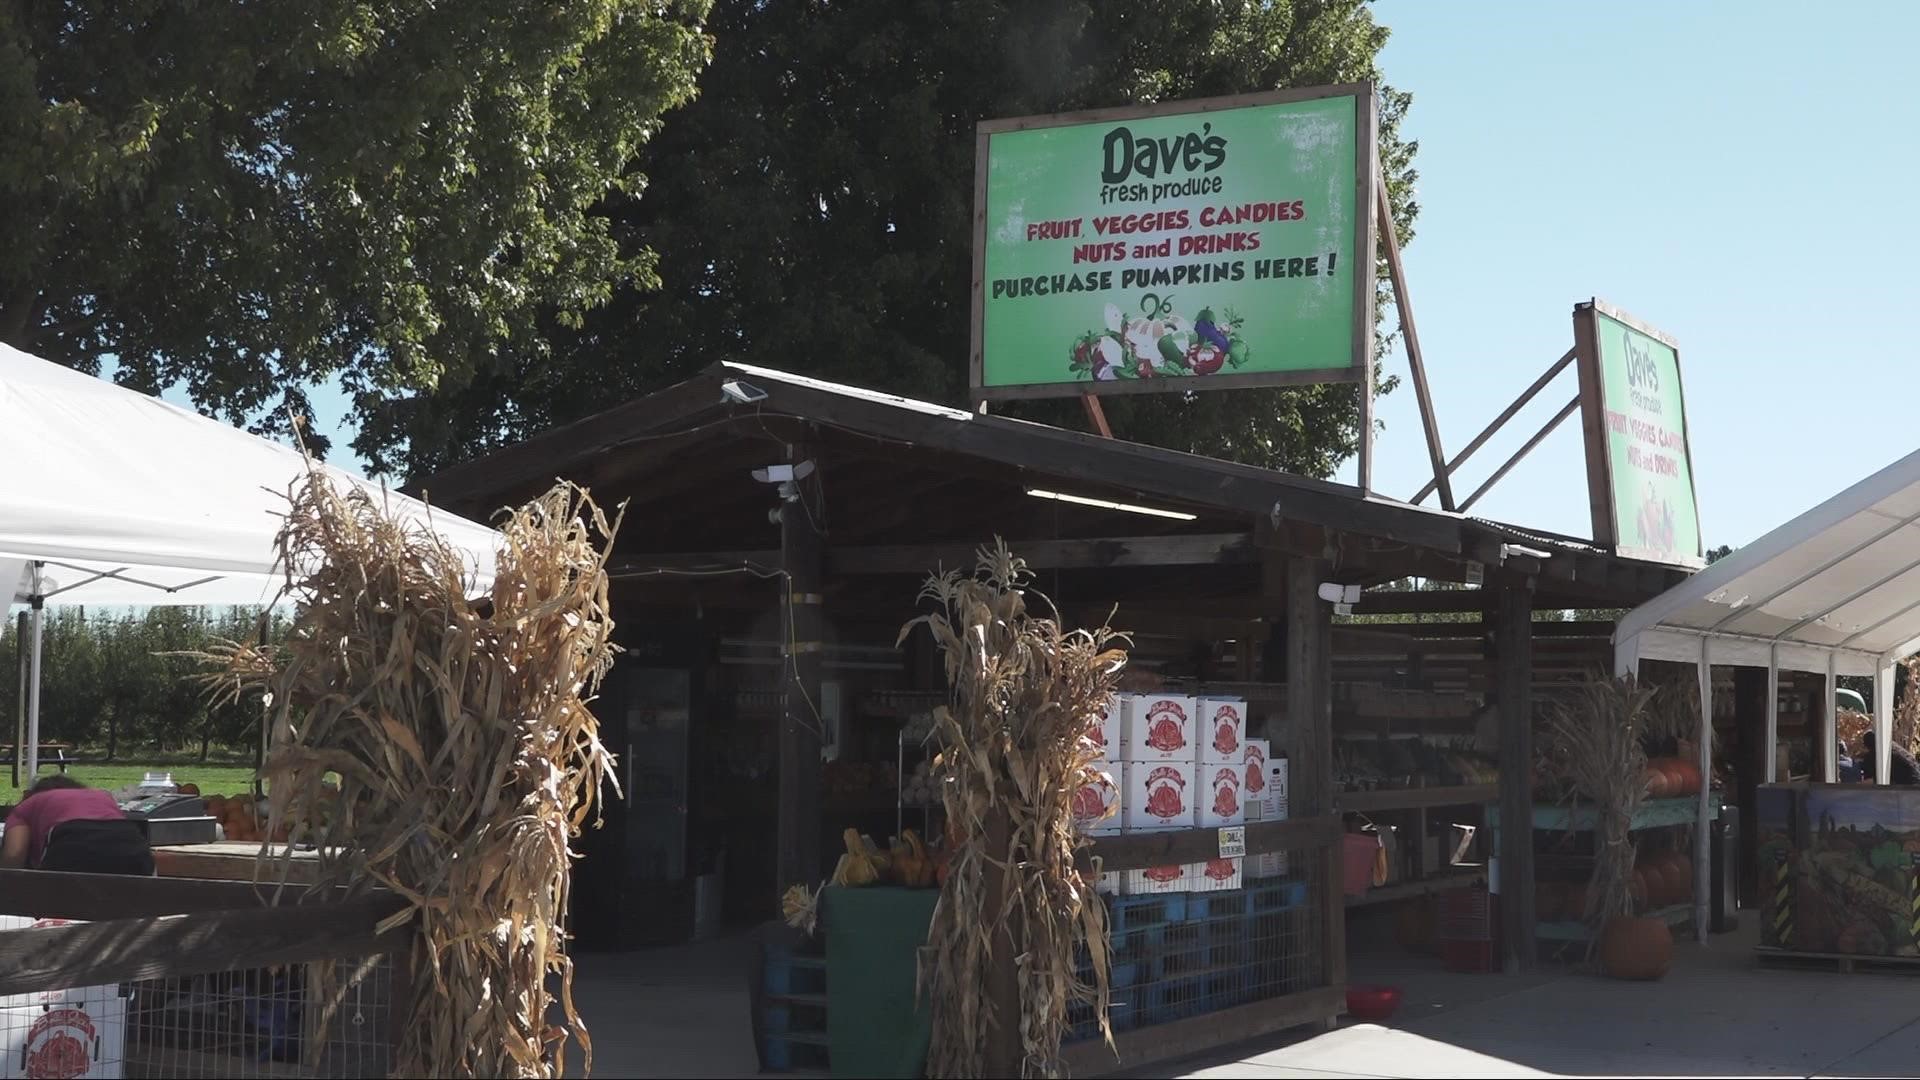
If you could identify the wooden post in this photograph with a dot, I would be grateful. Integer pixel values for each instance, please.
(1310, 721)
(1513, 682)
(1096, 415)
(802, 555)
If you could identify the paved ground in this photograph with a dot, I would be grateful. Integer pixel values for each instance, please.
(683, 1013)
(1716, 1014)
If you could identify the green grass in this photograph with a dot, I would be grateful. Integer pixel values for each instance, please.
(214, 779)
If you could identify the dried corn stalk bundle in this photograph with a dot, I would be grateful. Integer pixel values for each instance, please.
(1023, 693)
(1593, 741)
(1906, 708)
(465, 753)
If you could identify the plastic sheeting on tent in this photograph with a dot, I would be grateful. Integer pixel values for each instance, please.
(109, 496)
(1834, 591)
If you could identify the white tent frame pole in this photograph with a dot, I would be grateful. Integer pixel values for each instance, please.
(1773, 716)
(33, 679)
(1883, 720)
(1830, 728)
(1626, 656)
(1702, 827)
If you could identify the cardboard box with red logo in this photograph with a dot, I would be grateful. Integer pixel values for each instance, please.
(1215, 875)
(1222, 800)
(1096, 806)
(1105, 731)
(78, 1033)
(1222, 731)
(1160, 795)
(1159, 879)
(1159, 727)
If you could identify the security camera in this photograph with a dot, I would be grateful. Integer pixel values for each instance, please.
(741, 393)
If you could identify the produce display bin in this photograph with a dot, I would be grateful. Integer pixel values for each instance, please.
(876, 1022)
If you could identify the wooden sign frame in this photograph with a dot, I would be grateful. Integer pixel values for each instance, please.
(1593, 423)
(1366, 166)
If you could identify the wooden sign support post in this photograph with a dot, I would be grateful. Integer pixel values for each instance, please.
(1096, 415)
(1403, 304)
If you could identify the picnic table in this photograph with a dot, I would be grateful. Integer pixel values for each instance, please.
(51, 753)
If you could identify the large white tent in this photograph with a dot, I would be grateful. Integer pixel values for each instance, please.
(1835, 591)
(109, 496)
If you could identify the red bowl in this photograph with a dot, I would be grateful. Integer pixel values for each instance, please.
(1372, 1002)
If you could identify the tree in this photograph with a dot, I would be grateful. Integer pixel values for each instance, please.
(1714, 555)
(251, 198)
(812, 211)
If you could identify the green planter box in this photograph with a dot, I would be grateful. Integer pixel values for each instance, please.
(876, 1025)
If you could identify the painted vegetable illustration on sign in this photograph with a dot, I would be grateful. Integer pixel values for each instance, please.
(1159, 343)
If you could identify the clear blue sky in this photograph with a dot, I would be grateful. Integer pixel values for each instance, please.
(1733, 173)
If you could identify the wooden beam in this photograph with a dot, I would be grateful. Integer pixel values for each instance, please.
(1513, 645)
(1203, 549)
(128, 950)
(1146, 473)
(1518, 455)
(1138, 851)
(1499, 421)
(44, 894)
(1188, 549)
(1417, 367)
(802, 557)
(491, 480)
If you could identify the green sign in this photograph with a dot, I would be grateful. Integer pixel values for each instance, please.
(1640, 467)
(1196, 245)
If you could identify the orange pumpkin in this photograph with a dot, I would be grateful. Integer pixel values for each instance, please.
(1688, 773)
(1659, 784)
(1640, 889)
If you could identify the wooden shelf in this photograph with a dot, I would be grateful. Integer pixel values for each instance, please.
(1389, 719)
(1675, 915)
(1653, 814)
(1403, 890)
(1416, 798)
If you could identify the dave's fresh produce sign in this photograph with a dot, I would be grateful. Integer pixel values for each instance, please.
(1194, 245)
(1639, 464)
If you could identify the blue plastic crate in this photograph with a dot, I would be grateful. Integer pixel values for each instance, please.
(788, 972)
(1274, 894)
(1126, 914)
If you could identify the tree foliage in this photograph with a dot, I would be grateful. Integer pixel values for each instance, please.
(812, 210)
(109, 684)
(248, 198)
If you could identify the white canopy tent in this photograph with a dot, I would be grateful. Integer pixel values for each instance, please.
(108, 496)
(1835, 591)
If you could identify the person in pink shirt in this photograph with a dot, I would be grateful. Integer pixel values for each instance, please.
(61, 824)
